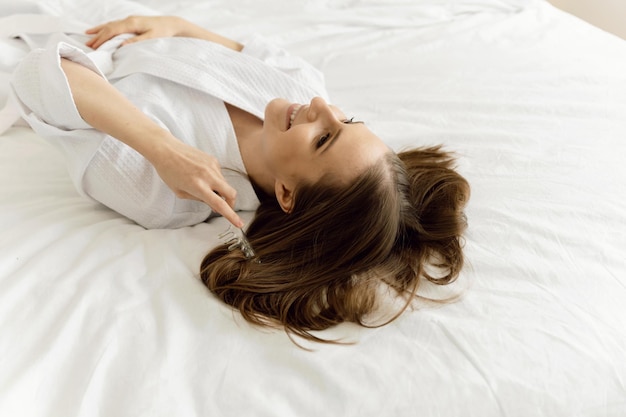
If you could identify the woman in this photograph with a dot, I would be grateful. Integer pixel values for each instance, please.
(339, 214)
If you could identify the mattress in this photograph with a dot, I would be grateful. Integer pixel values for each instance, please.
(100, 317)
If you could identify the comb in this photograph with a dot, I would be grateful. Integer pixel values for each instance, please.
(236, 239)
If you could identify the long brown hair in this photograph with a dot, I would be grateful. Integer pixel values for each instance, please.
(323, 263)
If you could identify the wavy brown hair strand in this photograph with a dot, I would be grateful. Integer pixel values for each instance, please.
(323, 263)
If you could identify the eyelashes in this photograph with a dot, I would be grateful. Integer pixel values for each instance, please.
(324, 138)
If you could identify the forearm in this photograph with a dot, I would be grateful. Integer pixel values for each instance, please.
(191, 30)
(107, 110)
(150, 27)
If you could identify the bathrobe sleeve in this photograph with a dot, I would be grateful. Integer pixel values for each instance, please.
(45, 102)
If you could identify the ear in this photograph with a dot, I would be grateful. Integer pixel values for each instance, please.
(284, 195)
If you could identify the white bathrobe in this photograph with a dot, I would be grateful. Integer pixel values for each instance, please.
(182, 84)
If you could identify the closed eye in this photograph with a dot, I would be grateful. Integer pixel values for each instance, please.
(325, 138)
(351, 121)
(322, 140)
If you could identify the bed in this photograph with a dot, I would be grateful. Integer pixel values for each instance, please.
(100, 317)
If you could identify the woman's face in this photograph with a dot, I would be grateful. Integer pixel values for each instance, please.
(305, 142)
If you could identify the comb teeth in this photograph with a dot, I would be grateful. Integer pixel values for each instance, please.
(236, 239)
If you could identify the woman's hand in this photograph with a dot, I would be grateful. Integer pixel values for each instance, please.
(145, 27)
(193, 174)
(150, 27)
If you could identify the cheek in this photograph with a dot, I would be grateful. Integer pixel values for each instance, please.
(277, 154)
(289, 155)
(284, 145)
(295, 166)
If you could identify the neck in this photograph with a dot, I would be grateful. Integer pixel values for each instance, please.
(248, 130)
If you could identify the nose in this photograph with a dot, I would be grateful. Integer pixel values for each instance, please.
(318, 108)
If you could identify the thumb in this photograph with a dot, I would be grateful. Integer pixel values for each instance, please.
(137, 38)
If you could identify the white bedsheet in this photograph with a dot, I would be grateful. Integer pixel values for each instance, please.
(99, 317)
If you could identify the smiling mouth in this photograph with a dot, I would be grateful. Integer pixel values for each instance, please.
(292, 115)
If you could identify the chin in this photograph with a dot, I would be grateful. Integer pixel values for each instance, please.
(275, 112)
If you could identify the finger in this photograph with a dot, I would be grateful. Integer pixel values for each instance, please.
(218, 205)
(214, 199)
(97, 42)
(92, 42)
(100, 38)
(108, 31)
(219, 186)
(227, 193)
(138, 38)
(222, 207)
(95, 29)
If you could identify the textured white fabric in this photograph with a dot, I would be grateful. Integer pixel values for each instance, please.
(180, 83)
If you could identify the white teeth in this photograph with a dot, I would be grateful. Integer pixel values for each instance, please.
(293, 115)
